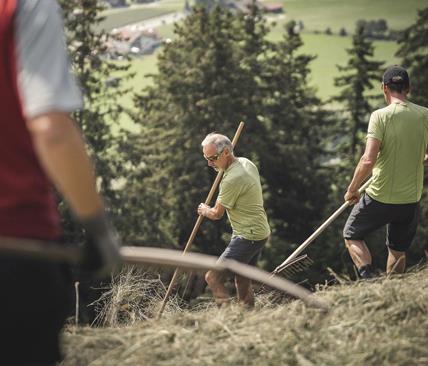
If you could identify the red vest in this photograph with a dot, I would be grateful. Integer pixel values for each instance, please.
(27, 203)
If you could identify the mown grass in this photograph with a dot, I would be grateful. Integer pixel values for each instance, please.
(380, 322)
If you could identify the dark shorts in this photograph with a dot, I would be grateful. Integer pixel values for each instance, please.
(369, 215)
(243, 250)
(36, 300)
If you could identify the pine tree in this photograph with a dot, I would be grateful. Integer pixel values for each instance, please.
(101, 110)
(346, 139)
(414, 54)
(360, 73)
(297, 186)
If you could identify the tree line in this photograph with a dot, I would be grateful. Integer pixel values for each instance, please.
(219, 69)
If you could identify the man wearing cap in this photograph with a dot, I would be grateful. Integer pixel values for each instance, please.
(395, 153)
(241, 197)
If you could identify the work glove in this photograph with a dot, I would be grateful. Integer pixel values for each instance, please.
(101, 250)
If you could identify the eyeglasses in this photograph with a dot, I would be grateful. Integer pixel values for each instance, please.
(213, 157)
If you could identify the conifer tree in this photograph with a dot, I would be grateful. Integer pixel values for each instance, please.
(101, 111)
(297, 186)
(413, 51)
(359, 75)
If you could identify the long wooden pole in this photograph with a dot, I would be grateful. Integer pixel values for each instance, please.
(145, 256)
(198, 223)
(318, 231)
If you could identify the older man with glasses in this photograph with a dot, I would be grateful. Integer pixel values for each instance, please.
(241, 197)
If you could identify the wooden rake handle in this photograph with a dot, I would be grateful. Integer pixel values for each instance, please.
(198, 222)
(318, 231)
(157, 257)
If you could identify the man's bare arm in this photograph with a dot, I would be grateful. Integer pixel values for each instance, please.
(363, 169)
(62, 154)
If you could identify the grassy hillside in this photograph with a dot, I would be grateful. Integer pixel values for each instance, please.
(118, 17)
(330, 51)
(380, 322)
(316, 15)
(320, 14)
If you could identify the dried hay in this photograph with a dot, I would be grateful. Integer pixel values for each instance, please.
(377, 322)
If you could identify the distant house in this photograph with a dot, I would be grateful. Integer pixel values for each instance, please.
(132, 40)
(115, 3)
(276, 8)
(241, 6)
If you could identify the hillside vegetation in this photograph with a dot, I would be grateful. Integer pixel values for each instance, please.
(379, 322)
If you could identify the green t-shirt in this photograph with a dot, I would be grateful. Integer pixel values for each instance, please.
(402, 129)
(241, 195)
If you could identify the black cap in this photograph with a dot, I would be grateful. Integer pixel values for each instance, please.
(396, 75)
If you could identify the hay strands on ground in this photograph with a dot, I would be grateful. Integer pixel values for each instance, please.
(150, 256)
(288, 262)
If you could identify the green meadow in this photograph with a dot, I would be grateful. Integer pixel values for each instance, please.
(320, 14)
(329, 51)
(316, 15)
(118, 17)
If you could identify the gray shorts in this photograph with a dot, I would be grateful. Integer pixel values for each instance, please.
(243, 250)
(369, 215)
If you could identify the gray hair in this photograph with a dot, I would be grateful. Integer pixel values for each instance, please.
(220, 141)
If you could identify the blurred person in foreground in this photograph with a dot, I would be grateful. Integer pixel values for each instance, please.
(241, 197)
(395, 153)
(40, 144)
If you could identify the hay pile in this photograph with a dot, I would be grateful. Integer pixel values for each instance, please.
(379, 322)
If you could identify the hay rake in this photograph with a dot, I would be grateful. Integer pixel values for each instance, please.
(303, 261)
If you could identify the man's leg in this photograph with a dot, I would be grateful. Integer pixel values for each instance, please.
(244, 290)
(396, 262)
(366, 216)
(244, 251)
(361, 257)
(359, 252)
(215, 281)
(400, 234)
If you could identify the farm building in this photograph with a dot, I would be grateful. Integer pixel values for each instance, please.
(132, 40)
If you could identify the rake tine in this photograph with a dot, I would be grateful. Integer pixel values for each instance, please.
(295, 266)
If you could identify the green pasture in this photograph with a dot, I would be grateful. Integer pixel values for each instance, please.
(330, 51)
(118, 17)
(317, 15)
(321, 14)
